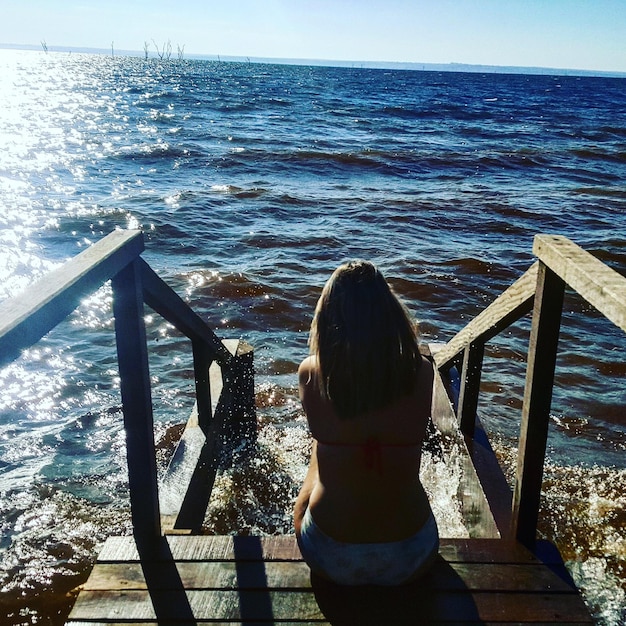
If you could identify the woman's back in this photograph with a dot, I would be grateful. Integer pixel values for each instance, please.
(368, 488)
(362, 516)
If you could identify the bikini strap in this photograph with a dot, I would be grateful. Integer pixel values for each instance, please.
(373, 454)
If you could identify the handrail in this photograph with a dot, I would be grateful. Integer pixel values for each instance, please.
(560, 263)
(160, 297)
(509, 307)
(28, 317)
(596, 282)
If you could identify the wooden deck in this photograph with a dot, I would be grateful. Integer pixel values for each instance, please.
(249, 580)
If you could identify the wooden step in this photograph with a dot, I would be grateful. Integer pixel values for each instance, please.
(248, 580)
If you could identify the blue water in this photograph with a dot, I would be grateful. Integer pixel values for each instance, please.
(252, 183)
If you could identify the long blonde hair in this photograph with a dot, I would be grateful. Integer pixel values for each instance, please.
(364, 340)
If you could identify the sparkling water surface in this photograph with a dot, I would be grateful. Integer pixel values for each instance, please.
(252, 183)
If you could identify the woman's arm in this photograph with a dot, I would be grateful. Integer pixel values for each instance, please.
(311, 479)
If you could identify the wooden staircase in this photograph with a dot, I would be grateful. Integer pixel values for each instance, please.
(255, 580)
(169, 573)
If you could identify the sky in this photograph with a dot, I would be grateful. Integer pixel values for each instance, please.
(568, 34)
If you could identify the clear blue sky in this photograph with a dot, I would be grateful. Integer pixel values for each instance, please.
(571, 34)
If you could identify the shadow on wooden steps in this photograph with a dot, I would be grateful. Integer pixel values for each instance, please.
(247, 580)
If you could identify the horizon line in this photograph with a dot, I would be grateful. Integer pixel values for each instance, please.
(398, 65)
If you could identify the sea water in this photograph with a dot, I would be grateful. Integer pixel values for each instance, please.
(252, 183)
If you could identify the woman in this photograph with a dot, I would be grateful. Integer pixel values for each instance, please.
(362, 516)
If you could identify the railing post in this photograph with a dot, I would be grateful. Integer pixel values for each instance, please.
(202, 359)
(470, 386)
(240, 381)
(542, 351)
(132, 354)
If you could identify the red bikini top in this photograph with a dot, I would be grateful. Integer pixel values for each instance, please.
(372, 450)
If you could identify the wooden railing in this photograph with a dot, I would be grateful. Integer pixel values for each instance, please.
(27, 318)
(541, 289)
(224, 380)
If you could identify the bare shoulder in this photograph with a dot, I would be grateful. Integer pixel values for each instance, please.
(307, 369)
(308, 388)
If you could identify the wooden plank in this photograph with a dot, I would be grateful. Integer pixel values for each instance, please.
(242, 429)
(596, 282)
(28, 317)
(323, 602)
(542, 351)
(202, 359)
(510, 306)
(483, 459)
(177, 477)
(528, 577)
(202, 575)
(484, 550)
(259, 579)
(195, 460)
(476, 510)
(233, 418)
(470, 386)
(285, 548)
(207, 548)
(492, 479)
(203, 605)
(132, 356)
(422, 605)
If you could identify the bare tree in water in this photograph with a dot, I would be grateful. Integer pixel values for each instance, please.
(165, 52)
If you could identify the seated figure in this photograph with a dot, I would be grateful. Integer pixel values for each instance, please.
(362, 516)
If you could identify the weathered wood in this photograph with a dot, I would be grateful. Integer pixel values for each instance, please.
(482, 580)
(132, 354)
(206, 548)
(240, 379)
(197, 492)
(412, 606)
(492, 479)
(186, 486)
(175, 482)
(28, 317)
(284, 548)
(475, 508)
(479, 461)
(470, 386)
(510, 306)
(160, 297)
(596, 282)
(542, 353)
(202, 359)
(186, 457)
(532, 578)
(183, 579)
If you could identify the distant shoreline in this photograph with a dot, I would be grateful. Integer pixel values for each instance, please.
(389, 65)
